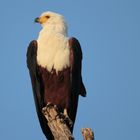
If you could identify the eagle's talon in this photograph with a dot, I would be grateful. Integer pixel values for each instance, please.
(62, 120)
(49, 105)
(65, 119)
(68, 121)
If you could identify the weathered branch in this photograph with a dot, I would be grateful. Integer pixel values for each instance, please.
(87, 134)
(58, 126)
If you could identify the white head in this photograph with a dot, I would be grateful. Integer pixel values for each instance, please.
(52, 21)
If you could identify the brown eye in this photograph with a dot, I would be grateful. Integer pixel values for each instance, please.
(47, 16)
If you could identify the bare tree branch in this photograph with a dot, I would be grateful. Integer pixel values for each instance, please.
(87, 134)
(58, 126)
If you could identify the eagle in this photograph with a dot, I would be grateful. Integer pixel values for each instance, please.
(54, 61)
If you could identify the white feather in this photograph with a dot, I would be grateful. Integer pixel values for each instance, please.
(53, 47)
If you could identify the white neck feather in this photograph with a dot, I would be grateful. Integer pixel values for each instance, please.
(53, 48)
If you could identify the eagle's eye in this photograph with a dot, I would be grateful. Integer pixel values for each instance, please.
(47, 16)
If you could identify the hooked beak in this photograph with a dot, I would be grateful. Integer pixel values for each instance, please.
(37, 20)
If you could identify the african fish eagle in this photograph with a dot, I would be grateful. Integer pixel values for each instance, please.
(54, 63)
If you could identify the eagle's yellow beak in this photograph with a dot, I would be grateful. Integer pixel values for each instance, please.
(41, 20)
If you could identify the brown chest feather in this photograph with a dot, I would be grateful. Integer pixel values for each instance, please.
(56, 87)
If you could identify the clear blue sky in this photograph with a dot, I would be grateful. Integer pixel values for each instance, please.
(109, 33)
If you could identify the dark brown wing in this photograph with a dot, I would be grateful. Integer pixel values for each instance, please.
(37, 87)
(76, 66)
(77, 86)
